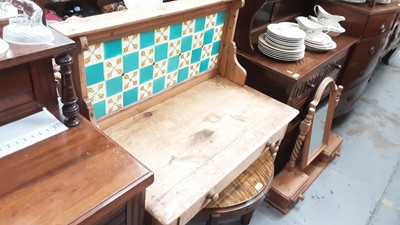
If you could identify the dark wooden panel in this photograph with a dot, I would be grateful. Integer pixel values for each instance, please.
(368, 49)
(378, 24)
(357, 71)
(16, 87)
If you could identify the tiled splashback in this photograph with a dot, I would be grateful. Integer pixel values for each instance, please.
(127, 70)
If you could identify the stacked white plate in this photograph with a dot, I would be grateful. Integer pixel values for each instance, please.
(320, 42)
(283, 41)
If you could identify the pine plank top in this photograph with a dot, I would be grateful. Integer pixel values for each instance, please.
(198, 142)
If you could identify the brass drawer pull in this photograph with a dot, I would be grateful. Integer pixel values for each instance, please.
(337, 66)
(383, 28)
(372, 50)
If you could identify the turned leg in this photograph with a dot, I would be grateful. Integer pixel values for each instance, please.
(70, 108)
(213, 219)
(245, 219)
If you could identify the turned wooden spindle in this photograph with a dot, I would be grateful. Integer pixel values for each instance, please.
(304, 127)
(70, 108)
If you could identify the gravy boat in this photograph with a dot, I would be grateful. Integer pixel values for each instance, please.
(326, 18)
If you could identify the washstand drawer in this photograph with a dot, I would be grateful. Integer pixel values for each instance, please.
(378, 24)
(304, 87)
(358, 71)
(368, 49)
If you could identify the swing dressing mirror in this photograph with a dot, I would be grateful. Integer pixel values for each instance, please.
(320, 116)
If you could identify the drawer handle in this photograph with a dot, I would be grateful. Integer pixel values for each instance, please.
(337, 66)
(383, 28)
(372, 50)
(311, 85)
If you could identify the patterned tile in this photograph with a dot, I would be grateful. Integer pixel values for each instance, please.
(130, 44)
(96, 92)
(146, 57)
(188, 27)
(210, 21)
(130, 80)
(172, 79)
(160, 69)
(197, 40)
(161, 35)
(94, 54)
(114, 103)
(113, 67)
(184, 59)
(174, 47)
(124, 71)
(145, 90)
(194, 69)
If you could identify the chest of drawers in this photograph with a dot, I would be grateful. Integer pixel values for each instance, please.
(371, 25)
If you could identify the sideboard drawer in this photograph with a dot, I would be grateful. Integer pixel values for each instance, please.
(357, 71)
(349, 97)
(378, 24)
(368, 49)
(331, 68)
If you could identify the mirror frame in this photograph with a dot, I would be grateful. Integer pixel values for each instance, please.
(326, 87)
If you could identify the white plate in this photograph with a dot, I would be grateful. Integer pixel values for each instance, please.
(283, 58)
(261, 40)
(283, 44)
(286, 31)
(319, 39)
(3, 47)
(321, 48)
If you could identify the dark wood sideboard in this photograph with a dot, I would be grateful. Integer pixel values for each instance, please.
(289, 82)
(371, 24)
(78, 176)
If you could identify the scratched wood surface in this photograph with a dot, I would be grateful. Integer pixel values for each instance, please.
(199, 141)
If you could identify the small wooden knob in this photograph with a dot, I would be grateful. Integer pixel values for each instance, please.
(301, 197)
(212, 196)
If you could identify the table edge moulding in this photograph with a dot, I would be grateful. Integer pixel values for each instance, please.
(171, 92)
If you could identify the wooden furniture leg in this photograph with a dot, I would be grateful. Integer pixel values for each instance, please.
(70, 108)
(245, 219)
(214, 219)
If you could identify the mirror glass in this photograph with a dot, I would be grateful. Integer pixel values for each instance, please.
(318, 126)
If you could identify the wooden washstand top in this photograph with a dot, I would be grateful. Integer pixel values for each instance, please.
(198, 142)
